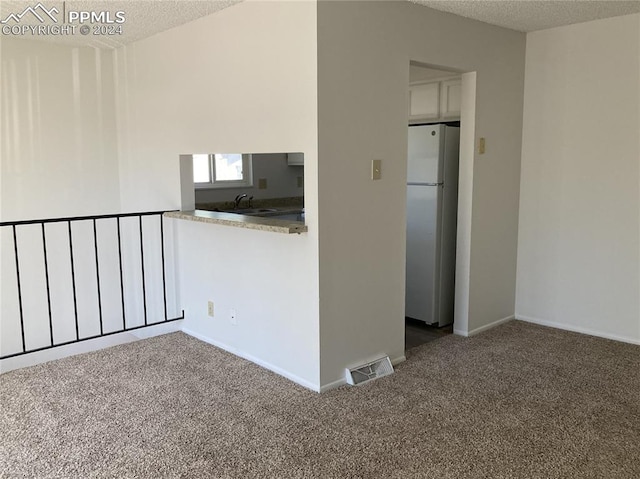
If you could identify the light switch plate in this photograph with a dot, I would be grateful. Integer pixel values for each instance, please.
(481, 146)
(262, 183)
(376, 169)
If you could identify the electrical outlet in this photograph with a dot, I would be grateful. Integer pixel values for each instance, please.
(210, 308)
(262, 183)
(233, 317)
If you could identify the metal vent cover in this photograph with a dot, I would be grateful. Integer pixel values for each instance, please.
(369, 371)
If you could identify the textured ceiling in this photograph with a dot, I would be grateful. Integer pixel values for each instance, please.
(531, 15)
(145, 18)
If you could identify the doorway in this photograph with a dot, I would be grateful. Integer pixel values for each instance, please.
(417, 333)
(439, 102)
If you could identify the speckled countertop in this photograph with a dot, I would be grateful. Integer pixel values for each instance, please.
(240, 221)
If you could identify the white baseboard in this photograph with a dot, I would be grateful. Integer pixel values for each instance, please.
(253, 359)
(342, 381)
(59, 352)
(397, 360)
(332, 385)
(158, 329)
(577, 329)
(473, 332)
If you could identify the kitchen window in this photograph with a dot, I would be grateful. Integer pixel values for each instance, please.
(222, 170)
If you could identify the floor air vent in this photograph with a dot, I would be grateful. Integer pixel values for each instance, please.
(367, 372)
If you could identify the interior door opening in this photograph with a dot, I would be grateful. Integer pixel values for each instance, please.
(433, 161)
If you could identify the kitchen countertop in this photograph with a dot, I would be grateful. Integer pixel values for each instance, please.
(240, 221)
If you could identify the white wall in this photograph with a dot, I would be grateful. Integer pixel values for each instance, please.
(58, 131)
(243, 79)
(363, 67)
(579, 247)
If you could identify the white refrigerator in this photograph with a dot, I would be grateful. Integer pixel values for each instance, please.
(432, 205)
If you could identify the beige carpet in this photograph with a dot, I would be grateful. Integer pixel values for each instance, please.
(518, 401)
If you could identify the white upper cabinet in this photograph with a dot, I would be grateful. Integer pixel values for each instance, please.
(295, 159)
(450, 96)
(424, 100)
(435, 100)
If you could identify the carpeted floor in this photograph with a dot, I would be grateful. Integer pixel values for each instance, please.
(518, 401)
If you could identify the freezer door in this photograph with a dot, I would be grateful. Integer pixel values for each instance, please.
(425, 159)
(423, 252)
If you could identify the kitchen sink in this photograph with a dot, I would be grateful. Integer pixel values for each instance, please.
(250, 211)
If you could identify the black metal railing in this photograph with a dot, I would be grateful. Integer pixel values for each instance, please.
(126, 273)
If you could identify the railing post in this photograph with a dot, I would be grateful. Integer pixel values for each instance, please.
(95, 249)
(144, 289)
(164, 282)
(15, 249)
(124, 317)
(46, 276)
(73, 281)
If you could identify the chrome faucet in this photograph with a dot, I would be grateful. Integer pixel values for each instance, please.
(238, 200)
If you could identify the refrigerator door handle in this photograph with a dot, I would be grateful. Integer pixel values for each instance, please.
(415, 183)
